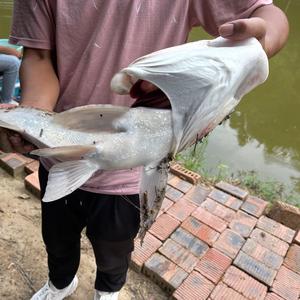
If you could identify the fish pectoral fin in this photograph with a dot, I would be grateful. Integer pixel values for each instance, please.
(66, 152)
(66, 177)
(10, 126)
(91, 118)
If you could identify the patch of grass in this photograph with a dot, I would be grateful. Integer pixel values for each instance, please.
(193, 158)
(270, 190)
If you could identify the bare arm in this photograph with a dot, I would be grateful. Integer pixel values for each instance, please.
(40, 89)
(10, 51)
(39, 82)
(268, 24)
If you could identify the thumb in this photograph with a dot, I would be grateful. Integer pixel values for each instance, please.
(244, 28)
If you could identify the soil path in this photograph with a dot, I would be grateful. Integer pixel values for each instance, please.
(22, 254)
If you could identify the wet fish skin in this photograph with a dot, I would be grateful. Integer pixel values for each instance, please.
(204, 81)
(136, 137)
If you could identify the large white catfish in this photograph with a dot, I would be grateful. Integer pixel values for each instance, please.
(204, 81)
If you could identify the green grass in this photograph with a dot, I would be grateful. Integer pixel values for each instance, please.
(269, 189)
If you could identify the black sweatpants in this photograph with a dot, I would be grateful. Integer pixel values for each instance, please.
(111, 226)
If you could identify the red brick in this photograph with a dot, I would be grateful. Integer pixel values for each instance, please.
(233, 203)
(273, 296)
(197, 194)
(13, 163)
(142, 253)
(229, 243)
(180, 184)
(173, 194)
(181, 209)
(262, 254)
(233, 190)
(297, 238)
(189, 241)
(32, 167)
(219, 196)
(218, 210)
(287, 284)
(254, 206)
(222, 292)
(209, 219)
(195, 287)
(213, 265)
(255, 268)
(185, 174)
(200, 230)
(170, 176)
(27, 159)
(32, 184)
(284, 233)
(179, 255)
(166, 204)
(225, 199)
(243, 223)
(164, 226)
(244, 284)
(164, 272)
(285, 214)
(292, 260)
(269, 241)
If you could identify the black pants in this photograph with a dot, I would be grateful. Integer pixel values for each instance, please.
(111, 226)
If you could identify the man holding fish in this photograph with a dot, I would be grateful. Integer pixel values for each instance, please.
(72, 49)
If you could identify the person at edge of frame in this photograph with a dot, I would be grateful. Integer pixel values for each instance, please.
(72, 49)
(9, 70)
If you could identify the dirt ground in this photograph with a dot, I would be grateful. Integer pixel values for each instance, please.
(23, 267)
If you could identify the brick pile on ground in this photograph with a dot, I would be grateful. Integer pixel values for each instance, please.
(208, 243)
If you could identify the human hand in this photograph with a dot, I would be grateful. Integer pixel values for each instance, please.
(11, 141)
(245, 28)
(18, 53)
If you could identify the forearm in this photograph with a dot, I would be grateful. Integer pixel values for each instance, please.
(277, 28)
(5, 50)
(10, 51)
(39, 82)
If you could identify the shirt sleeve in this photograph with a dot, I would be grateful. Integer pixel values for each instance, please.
(33, 24)
(213, 13)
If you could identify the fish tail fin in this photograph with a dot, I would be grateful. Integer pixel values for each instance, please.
(64, 178)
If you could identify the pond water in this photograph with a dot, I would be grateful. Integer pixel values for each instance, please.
(263, 132)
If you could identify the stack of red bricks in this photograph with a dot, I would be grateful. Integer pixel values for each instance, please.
(208, 243)
(17, 165)
(216, 244)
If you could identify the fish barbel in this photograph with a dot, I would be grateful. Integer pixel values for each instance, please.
(204, 81)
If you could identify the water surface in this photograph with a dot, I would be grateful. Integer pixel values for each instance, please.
(263, 133)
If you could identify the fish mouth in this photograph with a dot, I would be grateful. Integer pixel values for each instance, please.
(154, 99)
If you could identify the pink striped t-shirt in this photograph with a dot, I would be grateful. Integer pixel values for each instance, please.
(93, 39)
